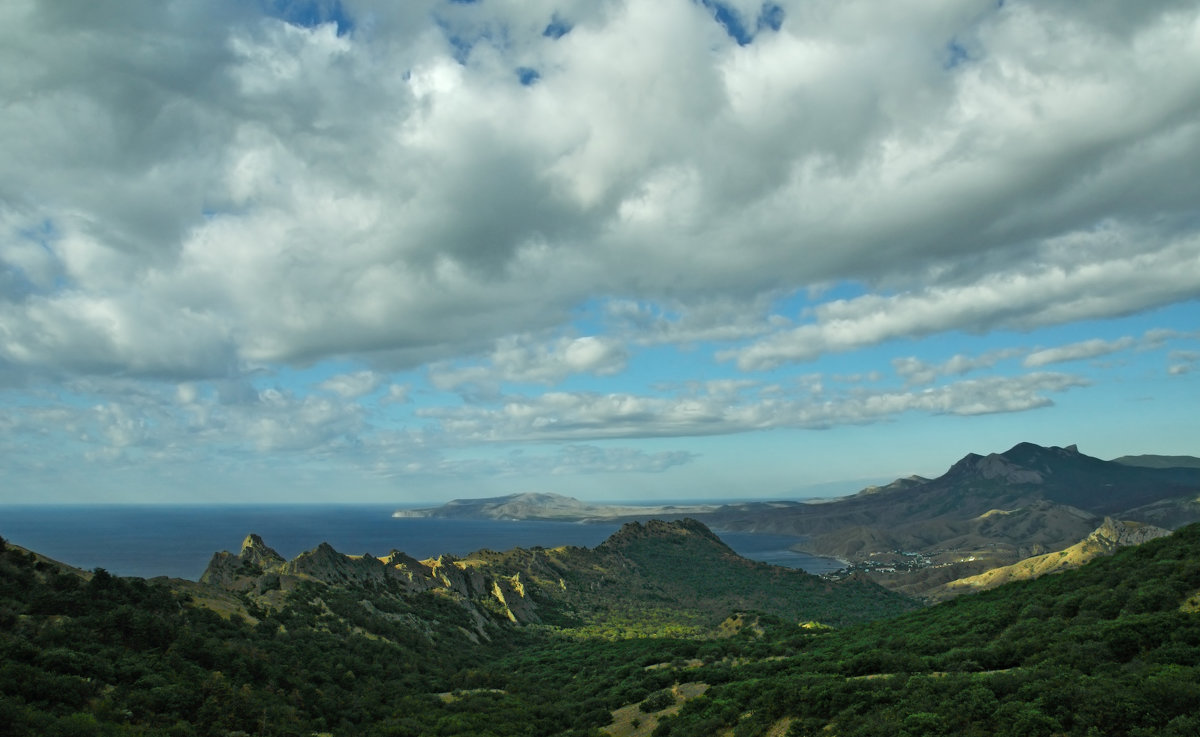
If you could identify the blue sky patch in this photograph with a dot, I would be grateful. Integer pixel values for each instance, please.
(463, 37)
(769, 17)
(730, 20)
(310, 13)
(528, 76)
(955, 55)
(557, 28)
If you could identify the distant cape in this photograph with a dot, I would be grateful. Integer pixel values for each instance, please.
(556, 507)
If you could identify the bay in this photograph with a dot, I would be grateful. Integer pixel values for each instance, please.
(178, 541)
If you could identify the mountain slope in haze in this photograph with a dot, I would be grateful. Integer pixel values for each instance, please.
(543, 506)
(985, 512)
(979, 495)
(1159, 461)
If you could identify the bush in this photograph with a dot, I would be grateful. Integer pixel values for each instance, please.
(657, 702)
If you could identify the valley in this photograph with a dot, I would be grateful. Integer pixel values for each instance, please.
(661, 630)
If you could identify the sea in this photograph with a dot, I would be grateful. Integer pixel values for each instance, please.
(178, 541)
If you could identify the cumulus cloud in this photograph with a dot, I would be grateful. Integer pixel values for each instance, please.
(522, 359)
(916, 372)
(1060, 287)
(195, 194)
(383, 183)
(166, 430)
(158, 424)
(714, 319)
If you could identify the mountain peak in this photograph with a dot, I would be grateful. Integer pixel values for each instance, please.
(1033, 450)
(656, 529)
(256, 552)
(254, 558)
(1024, 463)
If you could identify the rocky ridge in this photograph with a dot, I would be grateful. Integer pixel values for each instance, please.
(680, 569)
(266, 577)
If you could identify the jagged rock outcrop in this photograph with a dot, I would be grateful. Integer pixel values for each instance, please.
(256, 552)
(265, 575)
(1114, 534)
(226, 569)
(412, 573)
(327, 565)
(510, 592)
(678, 565)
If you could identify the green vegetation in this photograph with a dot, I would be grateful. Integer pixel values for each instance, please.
(114, 656)
(669, 590)
(1108, 649)
(1103, 650)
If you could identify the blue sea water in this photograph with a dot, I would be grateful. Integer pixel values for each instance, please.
(178, 541)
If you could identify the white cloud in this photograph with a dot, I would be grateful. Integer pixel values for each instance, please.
(1153, 339)
(522, 359)
(565, 461)
(1078, 351)
(918, 372)
(1058, 287)
(592, 459)
(1182, 362)
(712, 319)
(192, 194)
(563, 416)
(288, 194)
(398, 394)
(354, 385)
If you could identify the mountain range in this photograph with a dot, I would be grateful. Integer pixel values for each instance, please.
(661, 631)
(919, 535)
(679, 568)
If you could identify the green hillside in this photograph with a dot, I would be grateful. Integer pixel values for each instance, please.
(1112, 648)
(680, 578)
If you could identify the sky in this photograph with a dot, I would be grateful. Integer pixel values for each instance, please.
(403, 252)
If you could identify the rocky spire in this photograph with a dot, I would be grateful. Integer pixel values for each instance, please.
(256, 552)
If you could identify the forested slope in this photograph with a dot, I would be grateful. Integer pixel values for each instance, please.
(1112, 648)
